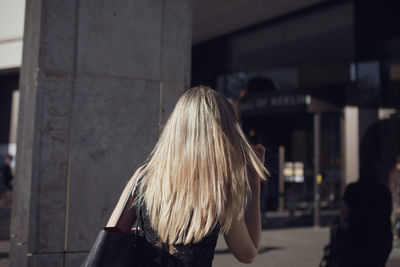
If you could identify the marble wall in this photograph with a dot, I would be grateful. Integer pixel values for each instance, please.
(98, 79)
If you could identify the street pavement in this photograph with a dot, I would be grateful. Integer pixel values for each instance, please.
(292, 247)
(284, 247)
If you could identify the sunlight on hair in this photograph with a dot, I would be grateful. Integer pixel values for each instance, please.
(196, 178)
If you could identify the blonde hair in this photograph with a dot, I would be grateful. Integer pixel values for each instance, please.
(196, 178)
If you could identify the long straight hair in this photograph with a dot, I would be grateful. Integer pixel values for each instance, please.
(196, 177)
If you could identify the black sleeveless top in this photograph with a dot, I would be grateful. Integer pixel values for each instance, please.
(157, 253)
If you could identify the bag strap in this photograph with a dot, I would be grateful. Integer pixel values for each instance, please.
(134, 184)
(130, 193)
(138, 205)
(120, 208)
(138, 217)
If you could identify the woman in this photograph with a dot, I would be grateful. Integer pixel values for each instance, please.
(202, 179)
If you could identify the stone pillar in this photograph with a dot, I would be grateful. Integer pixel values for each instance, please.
(12, 143)
(350, 145)
(97, 79)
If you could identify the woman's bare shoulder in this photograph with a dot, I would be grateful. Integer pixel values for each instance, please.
(136, 173)
(135, 176)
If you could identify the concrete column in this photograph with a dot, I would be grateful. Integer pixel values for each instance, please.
(317, 169)
(97, 79)
(350, 145)
(12, 144)
(281, 205)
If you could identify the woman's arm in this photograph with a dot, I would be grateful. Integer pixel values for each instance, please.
(240, 243)
(244, 237)
(252, 215)
(122, 220)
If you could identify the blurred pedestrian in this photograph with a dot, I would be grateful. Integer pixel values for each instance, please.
(7, 173)
(366, 211)
(394, 182)
(291, 199)
(6, 178)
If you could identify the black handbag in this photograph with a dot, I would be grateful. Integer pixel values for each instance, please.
(113, 249)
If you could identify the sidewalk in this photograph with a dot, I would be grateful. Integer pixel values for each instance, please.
(300, 247)
(289, 247)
